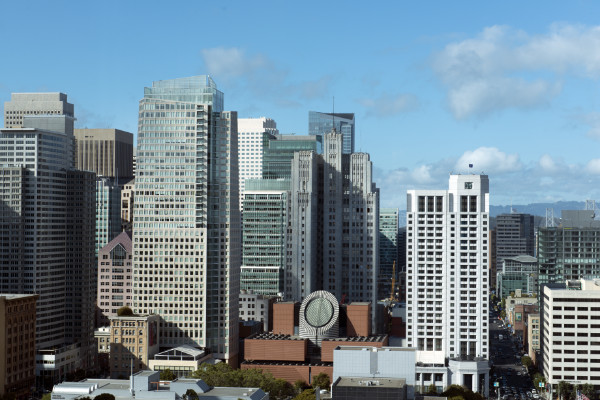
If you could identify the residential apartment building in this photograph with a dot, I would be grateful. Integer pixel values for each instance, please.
(17, 344)
(107, 152)
(571, 332)
(320, 124)
(253, 136)
(133, 342)
(448, 282)
(115, 278)
(186, 235)
(569, 251)
(334, 224)
(48, 229)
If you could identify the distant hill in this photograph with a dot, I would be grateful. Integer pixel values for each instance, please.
(538, 209)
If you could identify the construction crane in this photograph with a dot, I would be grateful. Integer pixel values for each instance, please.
(392, 296)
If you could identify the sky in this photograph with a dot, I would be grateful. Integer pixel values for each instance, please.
(510, 87)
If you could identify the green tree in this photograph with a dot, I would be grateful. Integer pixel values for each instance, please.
(322, 381)
(566, 390)
(537, 378)
(432, 389)
(526, 361)
(190, 394)
(124, 312)
(47, 396)
(301, 384)
(105, 396)
(167, 375)
(503, 314)
(588, 390)
(308, 394)
(280, 389)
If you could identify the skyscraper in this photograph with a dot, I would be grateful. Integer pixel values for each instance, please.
(186, 236)
(47, 229)
(388, 250)
(108, 211)
(321, 123)
(514, 236)
(107, 152)
(448, 282)
(253, 135)
(334, 224)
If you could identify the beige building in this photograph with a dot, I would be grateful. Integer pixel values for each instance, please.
(133, 341)
(107, 152)
(181, 360)
(533, 336)
(127, 199)
(17, 343)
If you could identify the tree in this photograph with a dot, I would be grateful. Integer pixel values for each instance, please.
(432, 389)
(124, 312)
(537, 378)
(190, 394)
(322, 381)
(566, 390)
(105, 396)
(308, 394)
(526, 361)
(47, 396)
(588, 390)
(167, 375)
(301, 384)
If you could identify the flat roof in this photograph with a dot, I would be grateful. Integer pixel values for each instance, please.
(371, 382)
(354, 339)
(15, 296)
(376, 349)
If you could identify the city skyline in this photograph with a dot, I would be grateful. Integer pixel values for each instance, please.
(488, 85)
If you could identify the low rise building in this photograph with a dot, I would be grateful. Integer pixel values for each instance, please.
(257, 307)
(17, 344)
(133, 341)
(147, 385)
(518, 273)
(182, 360)
(533, 336)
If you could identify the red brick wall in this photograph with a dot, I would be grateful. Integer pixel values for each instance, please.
(359, 319)
(279, 350)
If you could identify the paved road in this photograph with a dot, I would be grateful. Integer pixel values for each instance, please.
(506, 357)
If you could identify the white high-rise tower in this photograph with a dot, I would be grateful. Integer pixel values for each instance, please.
(447, 282)
(186, 236)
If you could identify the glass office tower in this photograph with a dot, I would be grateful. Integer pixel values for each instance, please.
(186, 239)
(321, 123)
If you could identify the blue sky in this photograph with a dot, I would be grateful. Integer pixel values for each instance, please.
(511, 87)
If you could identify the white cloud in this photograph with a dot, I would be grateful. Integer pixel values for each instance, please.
(489, 160)
(592, 121)
(547, 164)
(388, 105)
(593, 166)
(497, 69)
(227, 63)
(258, 76)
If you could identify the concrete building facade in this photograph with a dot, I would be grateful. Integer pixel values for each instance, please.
(48, 229)
(253, 136)
(133, 342)
(186, 235)
(518, 273)
(571, 333)
(107, 152)
(115, 278)
(335, 225)
(448, 282)
(319, 124)
(257, 307)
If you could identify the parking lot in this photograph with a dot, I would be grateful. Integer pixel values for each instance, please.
(505, 354)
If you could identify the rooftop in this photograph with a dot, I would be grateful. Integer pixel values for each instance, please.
(366, 382)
